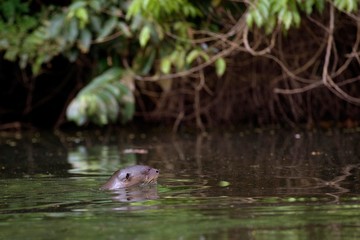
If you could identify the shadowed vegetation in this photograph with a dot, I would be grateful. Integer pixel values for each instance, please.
(184, 62)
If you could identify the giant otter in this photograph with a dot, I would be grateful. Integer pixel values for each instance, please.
(130, 176)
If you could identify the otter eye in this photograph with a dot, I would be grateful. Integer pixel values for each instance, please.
(127, 176)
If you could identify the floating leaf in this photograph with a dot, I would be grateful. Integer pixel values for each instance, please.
(224, 183)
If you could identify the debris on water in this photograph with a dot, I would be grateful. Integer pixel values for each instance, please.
(224, 183)
(136, 150)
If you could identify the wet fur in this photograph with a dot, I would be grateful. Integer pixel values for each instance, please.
(130, 176)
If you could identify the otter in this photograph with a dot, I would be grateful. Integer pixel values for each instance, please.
(130, 176)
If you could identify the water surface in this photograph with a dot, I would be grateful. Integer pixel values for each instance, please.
(229, 185)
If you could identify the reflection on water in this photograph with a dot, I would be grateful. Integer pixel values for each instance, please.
(136, 193)
(247, 185)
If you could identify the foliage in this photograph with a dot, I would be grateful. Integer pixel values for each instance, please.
(267, 13)
(11, 10)
(15, 26)
(163, 11)
(154, 39)
(103, 99)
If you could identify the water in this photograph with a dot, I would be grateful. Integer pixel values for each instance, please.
(228, 185)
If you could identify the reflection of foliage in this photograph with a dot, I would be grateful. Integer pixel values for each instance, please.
(157, 40)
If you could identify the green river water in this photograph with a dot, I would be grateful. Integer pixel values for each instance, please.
(224, 185)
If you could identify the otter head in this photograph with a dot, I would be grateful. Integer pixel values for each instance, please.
(134, 175)
(138, 175)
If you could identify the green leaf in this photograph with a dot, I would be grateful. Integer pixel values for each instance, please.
(82, 15)
(76, 110)
(108, 27)
(178, 58)
(192, 56)
(287, 20)
(270, 25)
(125, 29)
(95, 23)
(85, 40)
(144, 35)
(281, 14)
(165, 65)
(134, 8)
(263, 9)
(112, 105)
(76, 5)
(148, 62)
(259, 20)
(320, 5)
(308, 6)
(112, 74)
(249, 20)
(95, 4)
(279, 5)
(73, 31)
(351, 5)
(297, 18)
(56, 25)
(340, 4)
(220, 67)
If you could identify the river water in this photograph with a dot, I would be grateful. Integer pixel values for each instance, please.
(259, 184)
